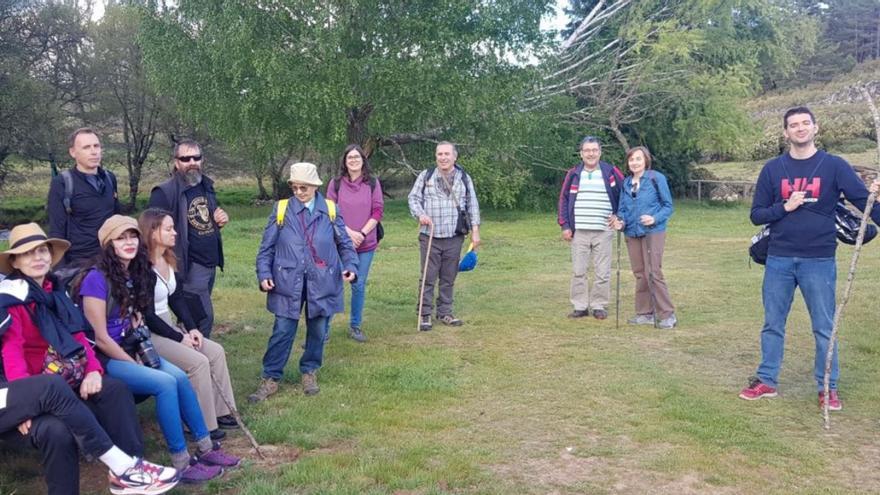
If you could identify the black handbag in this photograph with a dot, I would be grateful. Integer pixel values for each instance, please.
(463, 223)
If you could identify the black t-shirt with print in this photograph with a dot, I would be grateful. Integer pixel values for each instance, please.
(204, 240)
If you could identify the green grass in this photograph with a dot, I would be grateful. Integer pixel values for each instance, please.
(522, 400)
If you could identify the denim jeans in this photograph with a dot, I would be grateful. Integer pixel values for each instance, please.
(358, 291)
(281, 342)
(817, 278)
(174, 398)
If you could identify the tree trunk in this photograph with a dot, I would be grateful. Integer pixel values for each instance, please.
(263, 193)
(358, 118)
(618, 134)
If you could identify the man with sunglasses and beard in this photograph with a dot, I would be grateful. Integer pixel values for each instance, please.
(190, 198)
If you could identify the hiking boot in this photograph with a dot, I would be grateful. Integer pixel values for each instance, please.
(425, 323)
(668, 323)
(142, 478)
(200, 473)
(356, 334)
(450, 320)
(579, 313)
(268, 387)
(216, 457)
(641, 320)
(227, 422)
(600, 314)
(310, 383)
(217, 434)
(833, 401)
(756, 390)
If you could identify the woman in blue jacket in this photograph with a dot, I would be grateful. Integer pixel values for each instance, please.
(303, 259)
(645, 207)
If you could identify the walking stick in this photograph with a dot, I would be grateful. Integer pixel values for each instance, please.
(651, 280)
(237, 417)
(617, 297)
(838, 313)
(425, 274)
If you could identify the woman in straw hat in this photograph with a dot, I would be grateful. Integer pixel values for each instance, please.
(303, 259)
(43, 332)
(115, 293)
(200, 357)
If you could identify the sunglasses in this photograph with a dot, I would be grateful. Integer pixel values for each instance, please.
(187, 159)
(300, 188)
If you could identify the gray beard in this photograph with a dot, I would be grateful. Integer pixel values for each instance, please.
(192, 177)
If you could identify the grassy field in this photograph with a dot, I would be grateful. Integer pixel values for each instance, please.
(522, 400)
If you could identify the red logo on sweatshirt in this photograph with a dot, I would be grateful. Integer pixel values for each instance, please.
(812, 188)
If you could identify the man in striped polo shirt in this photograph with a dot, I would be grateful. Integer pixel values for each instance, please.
(587, 206)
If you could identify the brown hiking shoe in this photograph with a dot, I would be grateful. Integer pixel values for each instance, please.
(310, 383)
(268, 387)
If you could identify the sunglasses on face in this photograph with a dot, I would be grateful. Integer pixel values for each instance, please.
(191, 158)
(300, 189)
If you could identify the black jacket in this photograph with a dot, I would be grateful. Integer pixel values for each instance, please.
(89, 210)
(171, 196)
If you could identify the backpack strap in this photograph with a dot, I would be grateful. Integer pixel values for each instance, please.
(331, 209)
(281, 211)
(67, 177)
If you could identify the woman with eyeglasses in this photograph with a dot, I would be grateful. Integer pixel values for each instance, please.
(359, 196)
(304, 257)
(645, 207)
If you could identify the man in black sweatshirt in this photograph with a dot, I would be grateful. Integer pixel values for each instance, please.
(81, 199)
(796, 194)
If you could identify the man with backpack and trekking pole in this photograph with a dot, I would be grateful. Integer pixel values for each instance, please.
(444, 201)
(797, 194)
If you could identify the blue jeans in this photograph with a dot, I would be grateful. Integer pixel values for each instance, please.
(174, 398)
(358, 291)
(281, 342)
(817, 278)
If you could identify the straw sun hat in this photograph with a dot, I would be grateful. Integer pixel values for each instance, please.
(23, 238)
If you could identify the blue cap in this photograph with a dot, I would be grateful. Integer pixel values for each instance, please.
(468, 262)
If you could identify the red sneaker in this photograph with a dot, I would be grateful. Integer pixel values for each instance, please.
(833, 401)
(756, 390)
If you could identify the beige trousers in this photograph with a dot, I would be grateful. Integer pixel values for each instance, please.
(591, 247)
(199, 365)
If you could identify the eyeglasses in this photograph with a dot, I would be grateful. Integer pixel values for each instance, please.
(301, 189)
(191, 158)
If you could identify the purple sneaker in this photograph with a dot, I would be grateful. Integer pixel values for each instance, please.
(216, 457)
(200, 473)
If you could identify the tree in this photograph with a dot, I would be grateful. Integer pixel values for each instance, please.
(296, 75)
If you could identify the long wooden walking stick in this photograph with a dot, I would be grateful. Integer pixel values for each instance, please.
(838, 314)
(425, 273)
(237, 417)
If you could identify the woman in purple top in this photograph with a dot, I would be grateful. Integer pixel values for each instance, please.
(114, 296)
(359, 197)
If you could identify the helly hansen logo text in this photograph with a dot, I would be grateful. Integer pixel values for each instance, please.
(812, 188)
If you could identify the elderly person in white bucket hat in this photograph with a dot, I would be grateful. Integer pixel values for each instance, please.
(304, 257)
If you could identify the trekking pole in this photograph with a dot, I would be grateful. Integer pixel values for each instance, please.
(617, 297)
(425, 274)
(237, 417)
(651, 280)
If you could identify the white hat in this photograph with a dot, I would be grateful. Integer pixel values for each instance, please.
(304, 173)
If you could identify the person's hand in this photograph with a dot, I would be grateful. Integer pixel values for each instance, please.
(25, 427)
(187, 340)
(348, 276)
(794, 201)
(220, 217)
(875, 186)
(425, 220)
(137, 319)
(90, 385)
(475, 239)
(567, 235)
(197, 338)
(617, 225)
(356, 237)
(646, 220)
(267, 284)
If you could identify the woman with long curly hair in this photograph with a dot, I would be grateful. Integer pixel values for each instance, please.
(200, 357)
(359, 196)
(115, 295)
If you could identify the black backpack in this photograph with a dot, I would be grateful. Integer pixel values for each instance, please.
(380, 230)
